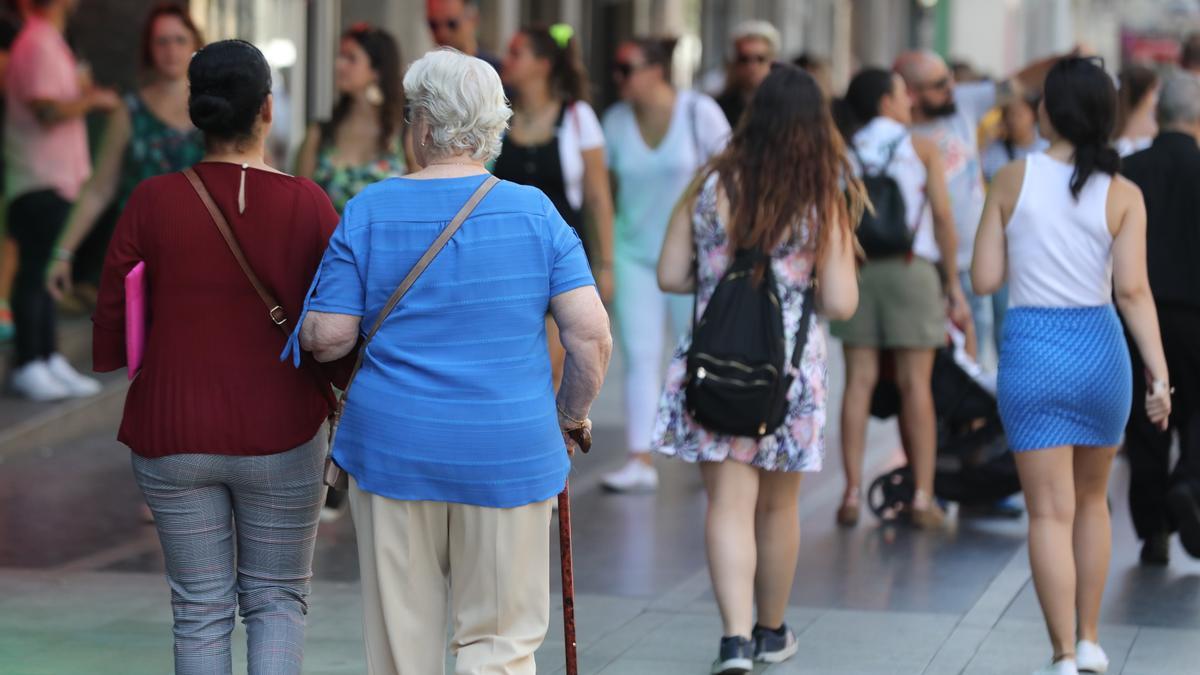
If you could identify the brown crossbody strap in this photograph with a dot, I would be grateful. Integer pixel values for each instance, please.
(274, 309)
(334, 476)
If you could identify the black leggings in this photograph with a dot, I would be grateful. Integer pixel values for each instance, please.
(35, 220)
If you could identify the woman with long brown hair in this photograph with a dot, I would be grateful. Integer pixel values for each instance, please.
(362, 143)
(777, 192)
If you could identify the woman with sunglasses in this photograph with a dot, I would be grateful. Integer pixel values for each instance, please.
(148, 135)
(555, 143)
(1067, 232)
(657, 138)
(361, 144)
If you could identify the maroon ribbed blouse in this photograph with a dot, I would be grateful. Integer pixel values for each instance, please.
(211, 379)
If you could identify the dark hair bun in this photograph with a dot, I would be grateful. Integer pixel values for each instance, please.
(210, 112)
(229, 82)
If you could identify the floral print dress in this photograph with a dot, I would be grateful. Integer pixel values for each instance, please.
(341, 183)
(799, 443)
(155, 147)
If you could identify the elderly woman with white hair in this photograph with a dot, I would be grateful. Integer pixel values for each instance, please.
(452, 435)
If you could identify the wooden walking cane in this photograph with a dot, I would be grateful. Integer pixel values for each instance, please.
(583, 437)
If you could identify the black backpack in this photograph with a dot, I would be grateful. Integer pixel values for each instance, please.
(885, 232)
(736, 379)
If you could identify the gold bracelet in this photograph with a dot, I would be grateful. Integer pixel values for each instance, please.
(571, 419)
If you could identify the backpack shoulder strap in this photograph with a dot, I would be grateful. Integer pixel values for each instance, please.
(806, 317)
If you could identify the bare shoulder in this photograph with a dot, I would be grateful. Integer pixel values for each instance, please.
(1124, 201)
(1007, 182)
(1123, 192)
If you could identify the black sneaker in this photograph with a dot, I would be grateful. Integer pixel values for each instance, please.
(774, 646)
(736, 657)
(1156, 549)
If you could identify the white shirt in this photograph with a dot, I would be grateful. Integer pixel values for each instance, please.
(873, 143)
(1059, 247)
(956, 137)
(580, 131)
(651, 180)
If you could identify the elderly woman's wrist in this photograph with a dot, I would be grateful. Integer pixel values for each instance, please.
(569, 419)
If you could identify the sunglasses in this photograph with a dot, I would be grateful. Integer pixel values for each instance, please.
(624, 70)
(747, 59)
(448, 24)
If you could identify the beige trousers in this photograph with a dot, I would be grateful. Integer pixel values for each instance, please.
(493, 565)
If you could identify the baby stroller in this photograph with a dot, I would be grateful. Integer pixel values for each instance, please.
(974, 466)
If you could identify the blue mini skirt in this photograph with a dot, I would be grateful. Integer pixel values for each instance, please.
(1065, 377)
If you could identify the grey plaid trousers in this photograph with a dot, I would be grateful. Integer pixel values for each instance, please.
(275, 501)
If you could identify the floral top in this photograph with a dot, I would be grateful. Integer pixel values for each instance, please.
(799, 443)
(155, 147)
(342, 183)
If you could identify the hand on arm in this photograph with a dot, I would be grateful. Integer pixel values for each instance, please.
(329, 336)
(597, 200)
(97, 194)
(50, 112)
(587, 338)
(1134, 298)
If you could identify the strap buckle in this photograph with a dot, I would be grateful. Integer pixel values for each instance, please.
(278, 315)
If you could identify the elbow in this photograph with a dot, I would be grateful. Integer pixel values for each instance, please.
(1135, 295)
(840, 306)
(670, 283)
(985, 281)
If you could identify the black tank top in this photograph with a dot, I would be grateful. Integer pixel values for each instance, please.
(540, 166)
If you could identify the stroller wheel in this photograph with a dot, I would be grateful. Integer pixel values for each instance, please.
(890, 493)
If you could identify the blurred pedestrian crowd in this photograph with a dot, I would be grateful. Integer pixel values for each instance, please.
(998, 236)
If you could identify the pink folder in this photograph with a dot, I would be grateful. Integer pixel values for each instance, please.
(135, 318)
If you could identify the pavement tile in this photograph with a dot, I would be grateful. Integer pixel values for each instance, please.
(852, 641)
(1020, 645)
(1163, 651)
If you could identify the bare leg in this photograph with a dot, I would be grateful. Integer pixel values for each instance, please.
(914, 377)
(1047, 477)
(729, 538)
(862, 373)
(777, 531)
(1092, 535)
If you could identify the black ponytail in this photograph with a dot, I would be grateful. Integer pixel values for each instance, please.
(1081, 103)
(860, 105)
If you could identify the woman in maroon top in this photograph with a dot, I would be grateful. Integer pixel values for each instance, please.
(221, 430)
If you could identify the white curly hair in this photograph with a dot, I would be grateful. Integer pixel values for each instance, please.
(462, 101)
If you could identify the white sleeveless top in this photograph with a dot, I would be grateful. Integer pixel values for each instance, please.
(1059, 247)
(873, 143)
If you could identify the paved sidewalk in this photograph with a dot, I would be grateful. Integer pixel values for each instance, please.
(82, 591)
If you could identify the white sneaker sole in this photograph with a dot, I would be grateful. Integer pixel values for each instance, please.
(733, 667)
(781, 655)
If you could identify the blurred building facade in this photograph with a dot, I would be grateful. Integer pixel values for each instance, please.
(995, 36)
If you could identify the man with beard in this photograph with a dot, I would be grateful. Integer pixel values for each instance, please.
(949, 114)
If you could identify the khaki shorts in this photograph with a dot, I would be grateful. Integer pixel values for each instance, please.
(900, 306)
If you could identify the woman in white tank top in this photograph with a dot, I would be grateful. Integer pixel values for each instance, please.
(1061, 224)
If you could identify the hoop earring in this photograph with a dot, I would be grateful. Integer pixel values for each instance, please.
(374, 95)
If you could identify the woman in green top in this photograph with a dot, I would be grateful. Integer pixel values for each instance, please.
(148, 135)
(362, 143)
